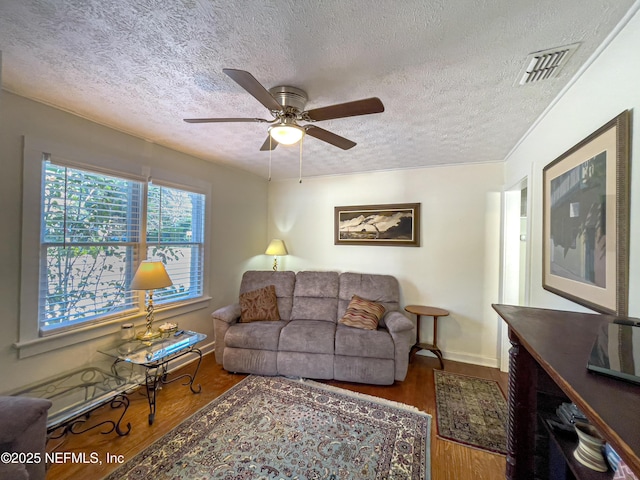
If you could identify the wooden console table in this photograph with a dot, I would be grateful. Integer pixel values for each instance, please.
(548, 366)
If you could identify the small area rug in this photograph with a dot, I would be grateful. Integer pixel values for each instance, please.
(278, 428)
(471, 411)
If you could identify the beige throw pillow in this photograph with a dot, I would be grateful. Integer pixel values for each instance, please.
(363, 313)
(258, 305)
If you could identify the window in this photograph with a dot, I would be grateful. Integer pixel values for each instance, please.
(90, 232)
(175, 235)
(96, 228)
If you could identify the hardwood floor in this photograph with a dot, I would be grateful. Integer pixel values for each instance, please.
(449, 461)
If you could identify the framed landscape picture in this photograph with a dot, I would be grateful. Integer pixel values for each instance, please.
(586, 220)
(392, 224)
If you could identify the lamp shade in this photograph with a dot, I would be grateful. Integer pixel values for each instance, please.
(149, 276)
(286, 134)
(276, 247)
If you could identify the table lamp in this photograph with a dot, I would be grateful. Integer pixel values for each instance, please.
(150, 276)
(276, 248)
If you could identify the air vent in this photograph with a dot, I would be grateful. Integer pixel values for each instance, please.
(546, 64)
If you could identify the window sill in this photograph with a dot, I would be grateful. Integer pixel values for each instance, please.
(36, 346)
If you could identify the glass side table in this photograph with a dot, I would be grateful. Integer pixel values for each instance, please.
(76, 394)
(155, 356)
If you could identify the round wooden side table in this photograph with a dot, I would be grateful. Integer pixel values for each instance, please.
(418, 311)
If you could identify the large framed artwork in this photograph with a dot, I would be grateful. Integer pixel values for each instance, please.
(392, 224)
(586, 220)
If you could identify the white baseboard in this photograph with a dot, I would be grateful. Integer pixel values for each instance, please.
(464, 358)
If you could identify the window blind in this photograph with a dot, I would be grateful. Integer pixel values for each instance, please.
(90, 236)
(175, 235)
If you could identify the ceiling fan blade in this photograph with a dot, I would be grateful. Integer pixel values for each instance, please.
(265, 146)
(327, 136)
(224, 120)
(254, 87)
(349, 109)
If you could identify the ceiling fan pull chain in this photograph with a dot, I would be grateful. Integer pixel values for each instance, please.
(270, 150)
(301, 141)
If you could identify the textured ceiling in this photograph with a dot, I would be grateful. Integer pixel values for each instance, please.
(446, 71)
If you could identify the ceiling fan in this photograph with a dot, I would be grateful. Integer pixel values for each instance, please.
(286, 105)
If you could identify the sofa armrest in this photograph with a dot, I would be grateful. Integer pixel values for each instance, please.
(397, 322)
(18, 414)
(403, 333)
(23, 428)
(229, 314)
(223, 318)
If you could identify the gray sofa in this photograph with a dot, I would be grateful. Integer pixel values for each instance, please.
(308, 341)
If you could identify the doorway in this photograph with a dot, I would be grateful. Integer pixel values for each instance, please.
(514, 259)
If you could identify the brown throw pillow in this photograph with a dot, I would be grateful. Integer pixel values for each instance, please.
(363, 313)
(257, 305)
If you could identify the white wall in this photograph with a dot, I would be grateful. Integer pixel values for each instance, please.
(608, 87)
(237, 218)
(456, 267)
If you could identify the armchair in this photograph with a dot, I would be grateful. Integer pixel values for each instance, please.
(23, 428)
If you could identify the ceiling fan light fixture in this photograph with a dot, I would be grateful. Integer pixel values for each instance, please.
(286, 134)
(286, 104)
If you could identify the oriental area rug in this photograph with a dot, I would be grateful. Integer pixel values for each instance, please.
(278, 428)
(471, 411)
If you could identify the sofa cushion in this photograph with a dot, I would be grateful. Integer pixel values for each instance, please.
(258, 305)
(383, 289)
(312, 308)
(284, 282)
(315, 296)
(256, 335)
(362, 313)
(308, 336)
(355, 342)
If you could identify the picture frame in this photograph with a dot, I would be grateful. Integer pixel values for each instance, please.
(586, 220)
(391, 225)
